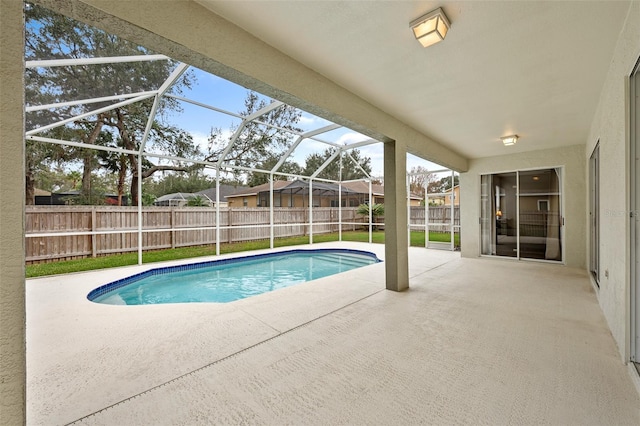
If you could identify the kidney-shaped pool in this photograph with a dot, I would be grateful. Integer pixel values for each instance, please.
(229, 279)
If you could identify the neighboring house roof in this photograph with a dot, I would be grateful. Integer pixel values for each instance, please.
(40, 192)
(254, 190)
(225, 191)
(297, 186)
(363, 187)
(179, 196)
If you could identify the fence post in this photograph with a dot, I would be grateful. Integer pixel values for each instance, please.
(94, 237)
(229, 222)
(172, 225)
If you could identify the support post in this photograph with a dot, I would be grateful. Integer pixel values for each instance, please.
(139, 210)
(395, 217)
(340, 202)
(271, 234)
(370, 213)
(339, 211)
(310, 211)
(426, 215)
(12, 187)
(218, 211)
(453, 197)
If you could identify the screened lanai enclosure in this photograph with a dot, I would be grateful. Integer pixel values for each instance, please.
(106, 116)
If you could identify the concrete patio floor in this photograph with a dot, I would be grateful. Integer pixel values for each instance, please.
(473, 341)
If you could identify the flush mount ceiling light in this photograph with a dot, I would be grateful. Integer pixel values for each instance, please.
(509, 140)
(431, 28)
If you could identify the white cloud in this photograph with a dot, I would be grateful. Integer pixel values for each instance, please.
(200, 139)
(310, 122)
(351, 137)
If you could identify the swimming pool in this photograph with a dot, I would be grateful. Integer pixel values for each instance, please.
(227, 280)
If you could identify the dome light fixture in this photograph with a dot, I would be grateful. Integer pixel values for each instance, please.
(431, 28)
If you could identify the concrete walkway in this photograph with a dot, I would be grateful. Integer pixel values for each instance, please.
(474, 341)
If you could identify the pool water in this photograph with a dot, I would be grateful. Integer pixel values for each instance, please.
(229, 280)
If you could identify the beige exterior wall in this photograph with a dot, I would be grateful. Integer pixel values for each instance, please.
(252, 201)
(571, 159)
(456, 196)
(12, 308)
(610, 128)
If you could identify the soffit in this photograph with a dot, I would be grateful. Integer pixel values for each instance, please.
(531, 68)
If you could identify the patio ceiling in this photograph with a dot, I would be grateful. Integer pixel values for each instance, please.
(531, 68)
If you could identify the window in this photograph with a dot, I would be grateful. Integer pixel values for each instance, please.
(245, 202)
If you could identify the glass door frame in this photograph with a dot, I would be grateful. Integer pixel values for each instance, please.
(561, 203)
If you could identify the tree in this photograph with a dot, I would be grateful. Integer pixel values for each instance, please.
(189, 182)
(255, 142)
(53, 36)
(377, 210)
(39, 159)
(419, 179)
(444, 184)
(197, 201)
(259, 178)
(350, 171)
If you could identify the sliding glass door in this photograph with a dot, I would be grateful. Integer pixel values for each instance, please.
(521, 214)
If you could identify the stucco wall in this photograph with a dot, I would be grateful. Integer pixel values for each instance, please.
(12, 313)
(572, 161)
(609, 127)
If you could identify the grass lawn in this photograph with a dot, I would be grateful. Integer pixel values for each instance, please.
(88, 264)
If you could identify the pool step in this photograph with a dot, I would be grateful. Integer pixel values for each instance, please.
(342, 260)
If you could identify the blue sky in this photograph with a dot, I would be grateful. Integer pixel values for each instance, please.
(220, 93)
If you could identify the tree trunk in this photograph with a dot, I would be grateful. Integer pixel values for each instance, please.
(122, 173)
(87, 166)
(88, 157)
(30, 189)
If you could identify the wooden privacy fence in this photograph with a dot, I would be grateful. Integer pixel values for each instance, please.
(71, 232)
(439, 218)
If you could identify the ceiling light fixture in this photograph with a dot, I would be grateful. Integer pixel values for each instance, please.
(509, 140)
(431, 28)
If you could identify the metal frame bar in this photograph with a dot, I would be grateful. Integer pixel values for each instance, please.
(49, 63)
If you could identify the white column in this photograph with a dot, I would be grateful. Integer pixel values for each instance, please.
(271, 235)
(395, 217)
(218, 211)
(310, 211)
(12, 188)
(453, 197)
(139, 171)
(370, 213)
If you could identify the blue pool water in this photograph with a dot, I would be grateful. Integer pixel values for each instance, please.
(230, 279)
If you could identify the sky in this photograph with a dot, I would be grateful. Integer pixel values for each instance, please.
(220, 93)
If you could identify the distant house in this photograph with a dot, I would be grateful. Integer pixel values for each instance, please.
(45, 198)
(456, 196)
(180, 199)
(225, 191)
(296, 194)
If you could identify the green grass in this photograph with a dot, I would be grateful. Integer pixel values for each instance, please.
(113, 261)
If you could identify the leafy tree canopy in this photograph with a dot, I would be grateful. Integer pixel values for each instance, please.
(258, 178)
(350, 171)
